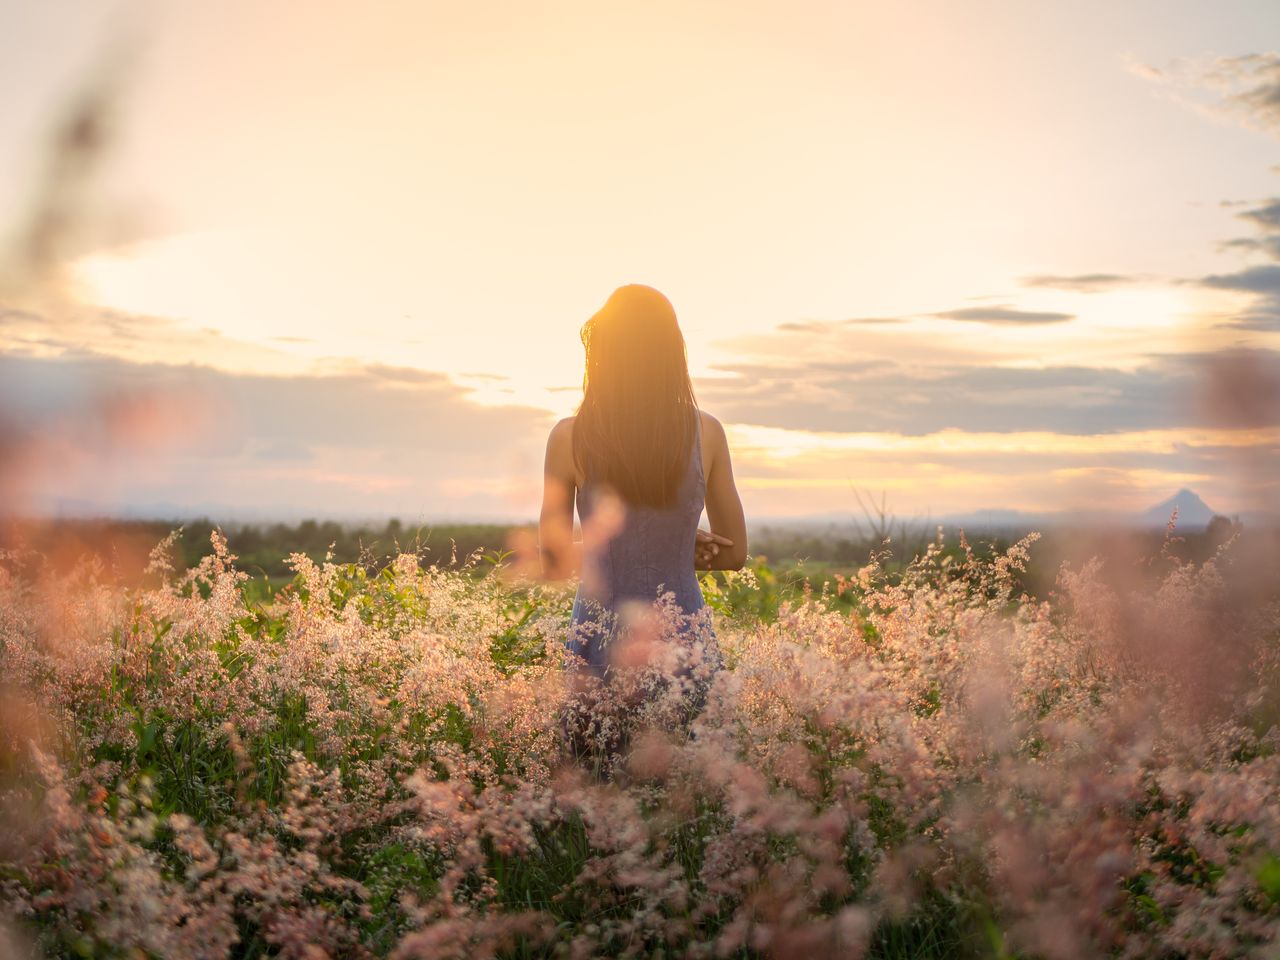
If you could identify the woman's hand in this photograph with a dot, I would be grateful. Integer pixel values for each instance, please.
(706, 547)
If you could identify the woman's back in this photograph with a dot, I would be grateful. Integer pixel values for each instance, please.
(633, 554)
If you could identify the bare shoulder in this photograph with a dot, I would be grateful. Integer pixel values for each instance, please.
(715, 445)
(562, 432)
(560, 447)
(713, 430)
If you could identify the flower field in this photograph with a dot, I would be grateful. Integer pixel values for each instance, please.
(397, 763)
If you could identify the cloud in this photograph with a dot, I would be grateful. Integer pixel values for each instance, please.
(1001, 314)
(1269, 247)
(1263, 278)
(1253, 83)
(1004, 315)
(880, 396)
(47, 327)
(1244, 88)
(1267, 216)
(1261, 320)
(11, 317)
(1266, 219)
(1082, 282)
(366, 441)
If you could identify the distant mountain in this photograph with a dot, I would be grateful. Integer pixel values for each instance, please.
(998, 519)
(1193, 513)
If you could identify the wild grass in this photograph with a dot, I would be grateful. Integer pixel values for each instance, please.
(373, 762)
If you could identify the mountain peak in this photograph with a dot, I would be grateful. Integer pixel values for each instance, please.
(1193, 513)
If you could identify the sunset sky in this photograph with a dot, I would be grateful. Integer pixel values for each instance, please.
(335, 257)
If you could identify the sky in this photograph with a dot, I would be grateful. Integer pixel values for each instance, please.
(332, 260)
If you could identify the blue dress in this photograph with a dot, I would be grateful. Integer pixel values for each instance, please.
(648, 554)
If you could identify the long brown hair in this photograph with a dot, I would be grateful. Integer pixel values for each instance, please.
(635, 427)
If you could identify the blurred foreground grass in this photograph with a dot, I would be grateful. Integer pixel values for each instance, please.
(900, 760)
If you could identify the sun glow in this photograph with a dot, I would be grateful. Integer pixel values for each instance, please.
(254, 287)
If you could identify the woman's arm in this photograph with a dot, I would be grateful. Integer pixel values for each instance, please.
(561, 556)
(724, 506)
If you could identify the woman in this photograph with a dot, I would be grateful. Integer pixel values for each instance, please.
(641, 461)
